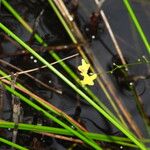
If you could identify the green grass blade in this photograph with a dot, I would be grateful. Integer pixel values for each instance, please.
(137, 25)
(44, 129)
(46, 106)
(2, 140)
(52, 117)
(60, 131)
(53, 54)
(88, 99)
(63, 22)
(56, 57)
(2, 73)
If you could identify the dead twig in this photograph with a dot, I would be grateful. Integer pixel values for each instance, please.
(42, 101)
(33, 78)
(63, 137)
(42, 67)
(117, 47)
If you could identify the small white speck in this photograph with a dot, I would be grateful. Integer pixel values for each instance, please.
(126, 69)
(131, 83)
(35, 61)
(93, 36)
(72, 127)
(121, 147)
(139, 60)
(87, 29)
(114, 64)
(31, 57)
(71, 18)
(49, 81)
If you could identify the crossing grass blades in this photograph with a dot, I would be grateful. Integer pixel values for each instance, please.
(40, 42)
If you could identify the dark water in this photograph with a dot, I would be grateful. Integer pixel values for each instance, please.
(53, 33)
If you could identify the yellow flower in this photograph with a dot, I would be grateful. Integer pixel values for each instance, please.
(87, 79)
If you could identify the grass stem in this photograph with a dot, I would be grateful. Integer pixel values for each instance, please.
(111, 118)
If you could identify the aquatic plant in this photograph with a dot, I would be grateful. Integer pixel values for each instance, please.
(69, 128)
